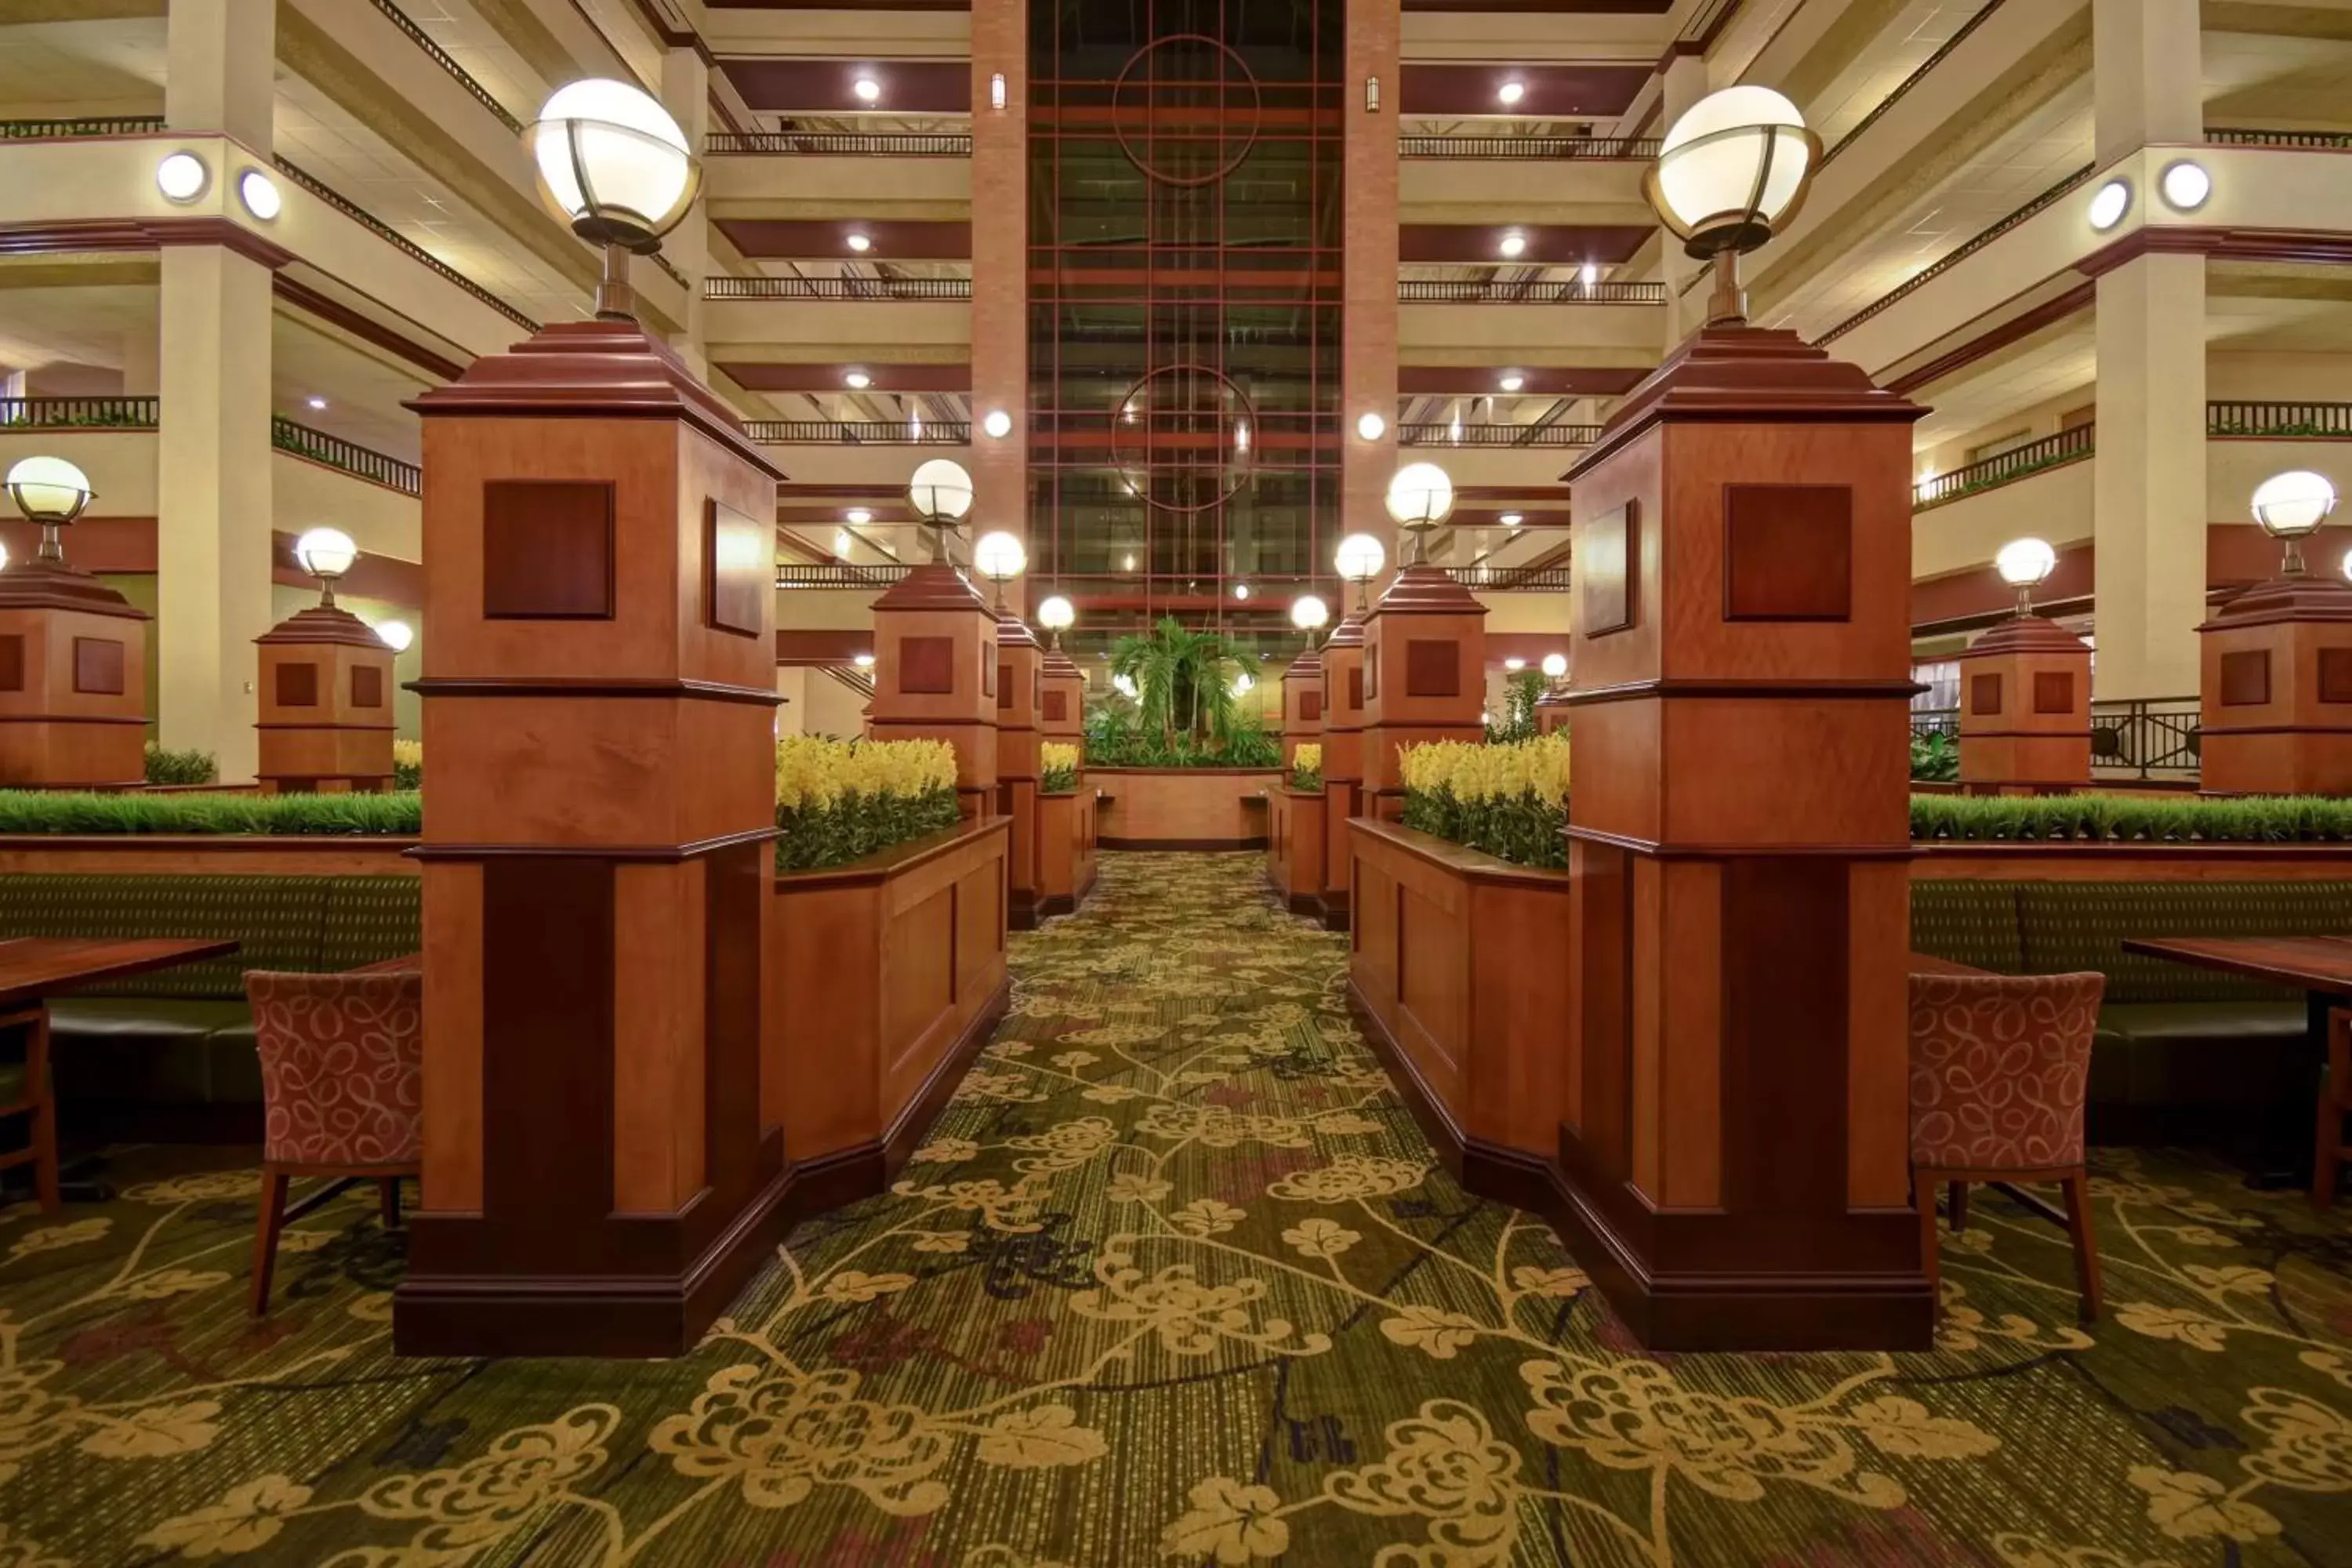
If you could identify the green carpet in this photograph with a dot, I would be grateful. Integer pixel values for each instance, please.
(1175, 1281)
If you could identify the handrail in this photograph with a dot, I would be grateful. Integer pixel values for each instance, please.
(334, 452)
(839, 574)
(80, 125)
(2230, 419)
(1475, 291)
(399, 241)
(442, 58)
(79, 412)
(2007, 467)
(1513, 579)
(1958, 37)
(725, 288)
(833, 145)
(1593, 149)
(1950, 259)
(860, 432)
(2255, 136)
(1496, 434)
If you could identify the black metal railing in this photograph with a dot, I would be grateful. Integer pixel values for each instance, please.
(400, 241)
(1477, 292)
(441, 58)
(877, 289)
(79, 126)
(79, 412)
(1958, 37)
(839, 575)
(2007, 467)
(2145, 738)
(1926, 723)
(857, 679)
(1492, 434)
(2286, 421)
(1512, 579)
(1593, 149)
(833, 145)
(2254, 136)
(860, 432)
(334, 452)
(1945, 263)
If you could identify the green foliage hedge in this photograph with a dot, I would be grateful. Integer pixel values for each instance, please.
(1525, 831)
(2131, 819)
(1934, 758)
(1307, 780)
(400, 813)
(1057, 781)
(857, 825)
(192, 767)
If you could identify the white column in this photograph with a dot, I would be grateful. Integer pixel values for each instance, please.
(2149, 476)
(142, 369)
(1683, 85)
(685, 93)
(221, 61)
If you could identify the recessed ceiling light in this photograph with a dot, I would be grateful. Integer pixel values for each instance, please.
(2186, 185)
(1591, 274)
(1371, 427)
(315, 402)
(1512, 381)
(864, 661)
(1241, 589)
(860, 244)
(859, 517)
(997, 423)
(180, 176)
(867, 89)
(859, 380)
(1514, 243)
(841, 542)
(1127, 564)
(2109, 204)
(258, 194)
(1512, 519)
(1511, 92)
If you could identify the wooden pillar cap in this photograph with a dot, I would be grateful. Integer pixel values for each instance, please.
(325, 624)
(2025, 634)
(1422, 589)
(2307, 598)
(39, 584)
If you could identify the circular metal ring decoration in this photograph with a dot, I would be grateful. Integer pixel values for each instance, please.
(1198, 159)
(1185, 439)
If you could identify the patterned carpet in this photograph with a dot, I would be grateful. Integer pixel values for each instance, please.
(1174, 1282)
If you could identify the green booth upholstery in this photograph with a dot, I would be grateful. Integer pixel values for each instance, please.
(169, 1053)
(2183, 1054)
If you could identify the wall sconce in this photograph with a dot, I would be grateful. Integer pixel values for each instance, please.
(181, 176)
(1372, 95)
(996, 91)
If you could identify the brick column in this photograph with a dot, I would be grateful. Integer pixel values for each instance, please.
(999, 273)
(1367, 324)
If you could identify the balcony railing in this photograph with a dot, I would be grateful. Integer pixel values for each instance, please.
(334, 452)
(860, 432)
(2251, 136)
(401, 242)
(1477, 292)
(1512, 579)
(2018, 462)
(833, 145)
(1959, 36)
(877, 289)
(1492, 434)
(1595, 149)
(1945, 263)
(840, 575)
(443, 58)
(2280, 421)
(2147, 738)
(1926, 723)
(77, 413)
(1495, 579)
(79, 126)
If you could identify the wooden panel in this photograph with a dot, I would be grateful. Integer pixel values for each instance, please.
(2053, 691)
(738, 569)
(735, 908)
(1356, 687)
(926, 665)
(988, 669)
(97, 666)
(1311, 707)
(2246, 677)
(1433, 667)
(918, 954)
(298, 684)
(12, 662)
(1984, 694)
(2335, 674)
(1055, 703)
(1788, 553)
(1785, 1007)
(547, 550)
(367, 686)
(1003, 687)
(1606, 547)
(658, 1124)
(546, 1067)
(452, 1096)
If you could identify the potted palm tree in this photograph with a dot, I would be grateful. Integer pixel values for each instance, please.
(1177, 709)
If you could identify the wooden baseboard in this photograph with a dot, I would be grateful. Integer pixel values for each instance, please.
(1184, 846)
(1022, 910)
(1306, 904)
(1335, 910)
(1486, 1169)
(1054, 904)
(898, 1140)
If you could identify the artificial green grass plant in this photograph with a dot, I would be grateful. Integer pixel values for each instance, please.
(395, 814)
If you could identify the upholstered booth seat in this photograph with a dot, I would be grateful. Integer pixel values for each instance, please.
(171, 1053)
(2181, 1055)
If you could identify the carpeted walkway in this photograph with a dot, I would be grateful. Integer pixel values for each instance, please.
(1174, 1282)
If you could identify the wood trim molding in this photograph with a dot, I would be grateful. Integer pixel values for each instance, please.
(308, 300)
(2024, 324)
(2328, 248)
(111, 233)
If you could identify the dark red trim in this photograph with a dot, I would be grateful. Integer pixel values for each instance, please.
(1581, 89)
(139, 233)
(2024, 324)
(2326, 247)
(828, 86)
(1558, 244)
(760, 376)
(304, 298)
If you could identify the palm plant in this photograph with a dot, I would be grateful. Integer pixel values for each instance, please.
(1183, 683)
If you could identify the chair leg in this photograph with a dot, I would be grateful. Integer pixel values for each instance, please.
(2087, 1247)
(2334, 1101)
(1923, 1193)
(44, 1115)
(1956, 1198)
(272, 1220)
(389, 1187)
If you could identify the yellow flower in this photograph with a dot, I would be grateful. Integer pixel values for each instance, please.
(1307, 757)
(1536, 768)
(408, 754)
(1054, 756)
(813, 772)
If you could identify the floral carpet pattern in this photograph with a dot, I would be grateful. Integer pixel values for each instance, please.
(1176, 1281)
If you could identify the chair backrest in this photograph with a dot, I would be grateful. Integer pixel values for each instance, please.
(341, 1066)
(1999, 1066)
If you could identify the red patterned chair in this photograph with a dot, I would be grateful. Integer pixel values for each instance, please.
(27, 1090)
(341, 1063)
(1999, 1067)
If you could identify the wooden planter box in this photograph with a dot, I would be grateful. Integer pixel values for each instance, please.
(1294, 851)
(1065, 850)
(1458, 974)
(209, 853)
(1941, 859)
(1184, 808)
(889, 972)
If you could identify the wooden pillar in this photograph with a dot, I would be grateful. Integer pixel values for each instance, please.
(603, 1159)
(73, 680)
(1735, 1149)
(2025, 708)
(1062, 698)
(1424, 677)
(1551, 712)
(326, 705)
(1302, 703)
(1343, 760)
(935, 675)
(2275, 692)
(1020, 693)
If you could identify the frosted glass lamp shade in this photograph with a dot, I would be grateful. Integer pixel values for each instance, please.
(48, 490)
(1733, 171)
(1421, 496)
(2293, 504)
(1058, 613)
(1308, 612)
(2024, 563)
(326, 552)
(1360, 558)
(613, 162)
(940, 492)
(396, 635)
(999, 557)
(1555, 665)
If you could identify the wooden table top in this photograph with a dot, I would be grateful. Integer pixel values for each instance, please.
(2322, 964)
(33, 966)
